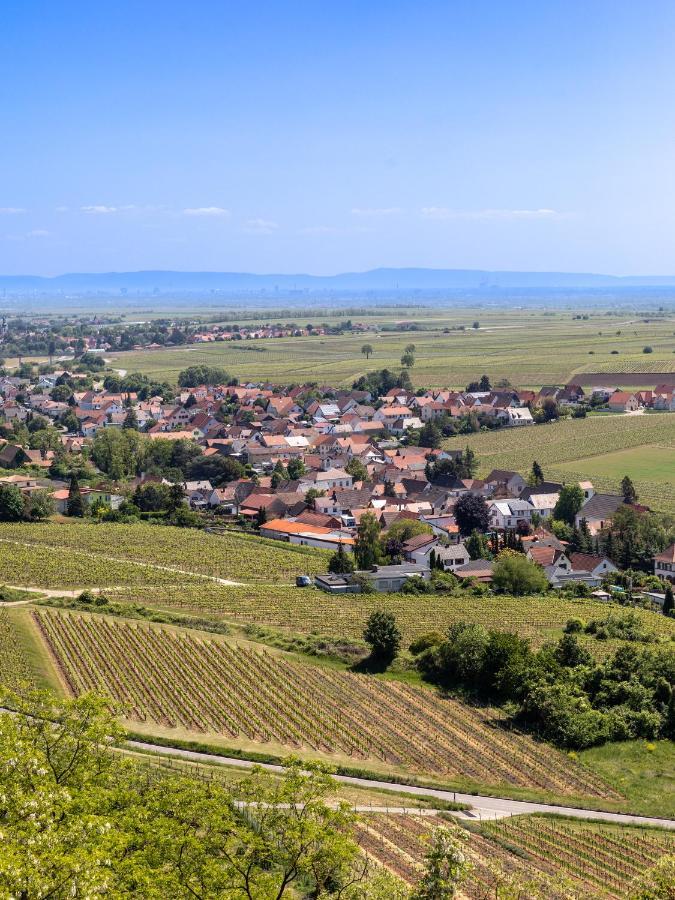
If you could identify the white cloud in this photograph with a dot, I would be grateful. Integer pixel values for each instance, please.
(373, 212)
(99, 210)
(445, 213)
(38, 233)
(260, 226)
(11, 210)
(215, 211)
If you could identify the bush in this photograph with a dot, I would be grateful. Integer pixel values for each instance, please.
(425, 642)
(647, 349)
(574, 626)
(382, 635)
(517, 575)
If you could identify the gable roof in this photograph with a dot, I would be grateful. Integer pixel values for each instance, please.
(600, 506)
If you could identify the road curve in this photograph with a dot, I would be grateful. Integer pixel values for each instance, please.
(481, 807)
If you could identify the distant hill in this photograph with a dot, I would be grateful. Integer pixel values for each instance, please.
(390, 280)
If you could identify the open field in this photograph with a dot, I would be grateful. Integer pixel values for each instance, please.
(174, 679)
(546, 853)
(579, 448)
(530, 348)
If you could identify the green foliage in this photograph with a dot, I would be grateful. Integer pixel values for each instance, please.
(478, 546)
(570, 501)
(100, 825)
(194, 376)
(517, 575)
(341, 563)
(382, 635)
(446, 864)
(75, 504)
(366, 547)
(11, 503)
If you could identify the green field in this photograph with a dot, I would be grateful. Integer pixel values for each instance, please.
(602, 448)
(530, 348)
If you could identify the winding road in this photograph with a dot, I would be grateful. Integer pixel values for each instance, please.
(481, 807)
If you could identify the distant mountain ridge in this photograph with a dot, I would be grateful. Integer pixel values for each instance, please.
(382, 279)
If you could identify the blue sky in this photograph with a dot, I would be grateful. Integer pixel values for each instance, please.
(324, 136)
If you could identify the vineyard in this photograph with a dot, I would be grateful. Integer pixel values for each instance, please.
(538, 617)
(14, 666)
(548, 854)
(174, 679)
(228, 556)
(579, 446)
(528, 347)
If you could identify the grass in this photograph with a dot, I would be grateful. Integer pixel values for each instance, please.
(529, 347)
(642, 772)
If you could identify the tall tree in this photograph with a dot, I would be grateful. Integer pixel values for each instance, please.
(668, 602)
(75, 504)
(537, 474)
(366, 548)
(570, 501)
(628, 490)
(367, 350)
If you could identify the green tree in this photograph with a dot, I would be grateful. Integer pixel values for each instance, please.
(296, 469)
(668, 602)
(366, 548)
(367, 350)
(570, 501)
(382, 635)
(447, 864)
(430, 436)
(477, 545)
(11, 503)
(356, 469)
(75, 504)
(130, 419)
(408, 360)
(341, 562)
(468, 464)
(39, 505)
(517, 575)
(536, 475)
(628, 490)
(194, 376)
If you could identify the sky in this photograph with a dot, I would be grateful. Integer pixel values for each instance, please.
(325, 136)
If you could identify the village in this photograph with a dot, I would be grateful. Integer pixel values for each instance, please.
(306, 464)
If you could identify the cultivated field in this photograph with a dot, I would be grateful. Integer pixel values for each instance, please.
(309, 610)
(15, 668)
(530, 348)
(59, 555)
(550, 855)
(580, 448)
(176, 680)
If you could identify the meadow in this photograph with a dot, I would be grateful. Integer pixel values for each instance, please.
(176, 679)
(555, 857)
(528, 347)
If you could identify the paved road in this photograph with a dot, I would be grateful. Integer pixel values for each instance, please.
(481, 807)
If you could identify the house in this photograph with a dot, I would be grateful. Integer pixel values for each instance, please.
(514, 417)
(598, 512)
(596, 565)
(622, 401)
(479, 569)
(510, 482)
(307, 535)
(553, 561)
(12, 456)
(664, 564)
(506, 514)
